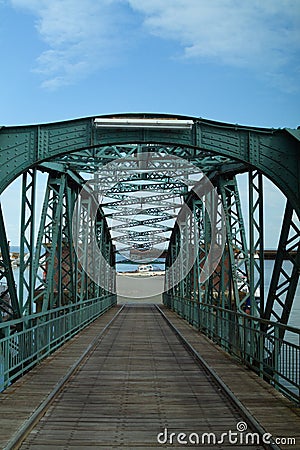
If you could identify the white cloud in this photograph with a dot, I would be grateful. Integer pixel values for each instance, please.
(82, 36)
(261, 35)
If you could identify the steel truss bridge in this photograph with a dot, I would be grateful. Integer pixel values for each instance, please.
(140, 187)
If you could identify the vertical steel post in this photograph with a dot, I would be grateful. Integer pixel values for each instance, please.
(236, 244)
(6, 272)
(256, 238)
(27, 241)
(283, 284)
(46, 272)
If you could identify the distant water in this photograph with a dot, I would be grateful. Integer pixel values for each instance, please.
(131, 267)
(159, 265)
(295, 312)
(14, 248)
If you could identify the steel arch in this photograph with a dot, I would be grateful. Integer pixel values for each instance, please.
(64, 149)
(274, 152)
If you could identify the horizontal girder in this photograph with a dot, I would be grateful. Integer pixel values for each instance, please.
(142, 179)
(166, 194)
(275, 152)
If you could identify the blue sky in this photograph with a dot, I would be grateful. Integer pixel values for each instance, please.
(234, 61)
(228, 60)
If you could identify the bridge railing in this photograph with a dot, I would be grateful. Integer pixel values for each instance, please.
(256, 342)
(26, 341)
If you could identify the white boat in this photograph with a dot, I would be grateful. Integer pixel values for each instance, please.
(145, 268)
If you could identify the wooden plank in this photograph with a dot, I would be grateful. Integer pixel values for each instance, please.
(21, 399)
(272, 410)
(138, 382)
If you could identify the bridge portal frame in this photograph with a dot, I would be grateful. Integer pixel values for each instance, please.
(274, 153)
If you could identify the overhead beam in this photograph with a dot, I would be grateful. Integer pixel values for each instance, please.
(274, 152)
(160, 124)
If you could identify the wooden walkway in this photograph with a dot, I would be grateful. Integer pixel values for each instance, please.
(138, 381)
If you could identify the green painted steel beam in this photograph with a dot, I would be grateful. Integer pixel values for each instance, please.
(27, 241)
(25, 146)
(220, 150)
(12, 308)
(256, 238)
(275, 152)
(284, 283)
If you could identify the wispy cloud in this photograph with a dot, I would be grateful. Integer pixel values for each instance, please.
(82, 36)
(261, 35)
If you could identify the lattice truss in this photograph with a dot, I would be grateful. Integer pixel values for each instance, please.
(140, 190)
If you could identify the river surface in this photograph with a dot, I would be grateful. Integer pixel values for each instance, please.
(295, 312)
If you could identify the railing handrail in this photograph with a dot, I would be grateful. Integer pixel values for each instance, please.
(248, 316)
(22, 347)
(26, 318)
(258, 343)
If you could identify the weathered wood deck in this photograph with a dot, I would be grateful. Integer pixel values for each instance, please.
(137, 382)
